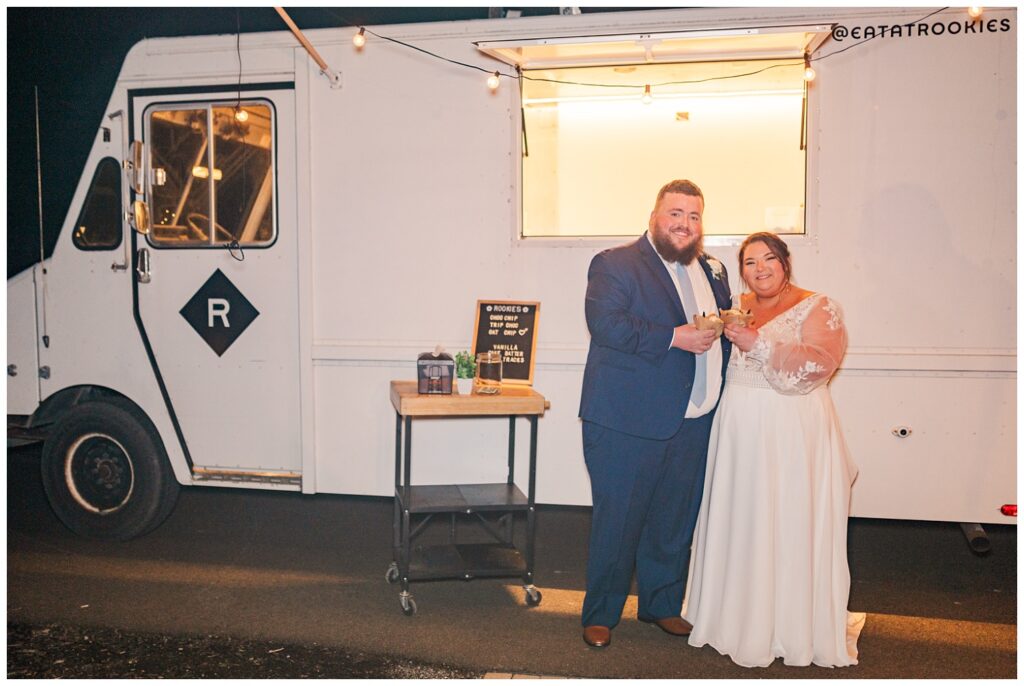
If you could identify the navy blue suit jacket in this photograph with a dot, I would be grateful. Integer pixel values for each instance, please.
(634, 381)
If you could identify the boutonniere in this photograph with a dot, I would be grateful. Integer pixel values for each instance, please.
(717, 270)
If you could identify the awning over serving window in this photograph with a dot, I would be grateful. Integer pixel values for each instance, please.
(772, 42)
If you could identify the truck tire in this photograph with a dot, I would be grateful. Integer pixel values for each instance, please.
(106, 473)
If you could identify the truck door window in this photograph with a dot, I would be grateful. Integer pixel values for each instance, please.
(239, 153)
(99, 223)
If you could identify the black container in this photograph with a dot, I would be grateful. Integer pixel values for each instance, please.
(434, 373)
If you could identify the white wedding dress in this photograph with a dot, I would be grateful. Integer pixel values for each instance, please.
(768, 573)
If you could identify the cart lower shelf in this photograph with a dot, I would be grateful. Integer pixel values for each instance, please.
(465, 561)
(462, 561)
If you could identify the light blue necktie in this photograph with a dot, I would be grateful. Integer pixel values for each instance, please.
(700, 373)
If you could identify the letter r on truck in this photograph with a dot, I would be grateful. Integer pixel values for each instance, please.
(217, 307)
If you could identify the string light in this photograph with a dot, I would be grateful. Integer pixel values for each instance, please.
(647, 98)
(493, 81)
(974, 12)
(359, 40)
(521, 76)
(241, 115)
(809, 72)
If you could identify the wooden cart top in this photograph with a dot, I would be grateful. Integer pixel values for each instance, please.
(513, 400)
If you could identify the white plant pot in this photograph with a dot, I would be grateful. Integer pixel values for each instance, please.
(465, 386)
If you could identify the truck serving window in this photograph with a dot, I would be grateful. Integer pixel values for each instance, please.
(99, 223)
(207, 190)
(597, 152)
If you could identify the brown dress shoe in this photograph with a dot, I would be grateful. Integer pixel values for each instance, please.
(677, 626)
(597, 636)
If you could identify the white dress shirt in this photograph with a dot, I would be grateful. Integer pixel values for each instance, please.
(706, 303)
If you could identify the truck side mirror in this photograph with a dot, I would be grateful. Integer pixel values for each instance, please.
(140, 216)
(135, 175)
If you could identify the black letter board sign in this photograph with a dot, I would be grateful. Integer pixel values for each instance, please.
(511, 328)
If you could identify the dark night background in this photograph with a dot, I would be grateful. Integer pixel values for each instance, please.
(74, 56)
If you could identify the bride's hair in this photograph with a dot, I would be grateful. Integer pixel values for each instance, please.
(777, 247)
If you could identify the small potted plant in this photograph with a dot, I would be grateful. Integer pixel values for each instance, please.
(465, 371)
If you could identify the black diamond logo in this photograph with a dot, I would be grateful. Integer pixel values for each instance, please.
(219, 312)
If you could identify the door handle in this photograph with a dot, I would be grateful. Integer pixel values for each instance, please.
(142, 270)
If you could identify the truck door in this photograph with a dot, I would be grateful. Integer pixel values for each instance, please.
(216, 292)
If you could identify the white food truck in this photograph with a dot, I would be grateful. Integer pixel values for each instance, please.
(263, 238)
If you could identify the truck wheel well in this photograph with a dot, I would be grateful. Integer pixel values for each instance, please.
(58, 404)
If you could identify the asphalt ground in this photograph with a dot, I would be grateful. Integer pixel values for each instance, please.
(62, 652)
(240, 583)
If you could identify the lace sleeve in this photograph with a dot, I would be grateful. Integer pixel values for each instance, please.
(797, 365)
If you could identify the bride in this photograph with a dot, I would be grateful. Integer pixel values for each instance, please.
(769, 576)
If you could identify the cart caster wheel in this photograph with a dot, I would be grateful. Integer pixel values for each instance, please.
(391, 576)
(533, 596)
(408, 604)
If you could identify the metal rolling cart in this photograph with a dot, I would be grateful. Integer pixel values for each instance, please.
(453, 560)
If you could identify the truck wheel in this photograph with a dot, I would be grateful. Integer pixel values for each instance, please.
(106, 473)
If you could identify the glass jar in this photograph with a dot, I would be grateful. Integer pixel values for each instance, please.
(488, 372)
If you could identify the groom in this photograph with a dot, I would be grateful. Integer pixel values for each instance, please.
(650, 389)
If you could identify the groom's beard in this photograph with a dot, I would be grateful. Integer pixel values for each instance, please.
(682, 256)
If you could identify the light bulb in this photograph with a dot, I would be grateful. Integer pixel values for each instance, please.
(493, 81)
(974, 12)
(359, 40)
(647, 98)
(809, 72)
(241, 115)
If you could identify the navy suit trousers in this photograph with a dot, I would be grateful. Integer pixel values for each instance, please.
(646, 496)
